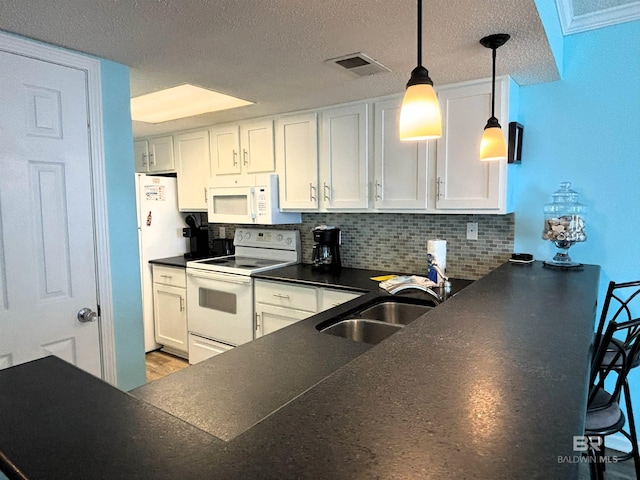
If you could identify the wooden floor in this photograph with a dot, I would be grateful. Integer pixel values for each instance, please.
(161, 364)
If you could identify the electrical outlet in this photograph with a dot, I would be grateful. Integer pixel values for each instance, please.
(222, 231)
(472, 230)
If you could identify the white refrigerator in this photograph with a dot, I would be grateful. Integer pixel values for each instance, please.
(160, 227)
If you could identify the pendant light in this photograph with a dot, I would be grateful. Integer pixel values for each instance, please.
(493, 145)
(420, 117)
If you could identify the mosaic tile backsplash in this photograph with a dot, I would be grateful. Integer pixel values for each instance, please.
(398, 242)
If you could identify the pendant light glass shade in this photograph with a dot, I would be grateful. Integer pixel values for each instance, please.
(420, 116)
(493, 145)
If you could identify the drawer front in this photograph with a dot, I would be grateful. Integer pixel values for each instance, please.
(173, 276)
(287, 295)
(201, 348)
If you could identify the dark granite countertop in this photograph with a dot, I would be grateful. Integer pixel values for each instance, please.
(346, 278)
(491, 384)
(179, 261)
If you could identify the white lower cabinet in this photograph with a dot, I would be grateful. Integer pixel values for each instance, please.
(280, 304)
(330, 297)
(170, 309)
(201, 348)
(270, 318)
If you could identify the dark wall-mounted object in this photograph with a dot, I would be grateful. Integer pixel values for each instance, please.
(515, 142)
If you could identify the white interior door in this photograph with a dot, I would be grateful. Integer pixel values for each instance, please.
(47, 257)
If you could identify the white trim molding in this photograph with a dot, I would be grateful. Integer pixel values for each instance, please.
(29, 48)
(572, 23)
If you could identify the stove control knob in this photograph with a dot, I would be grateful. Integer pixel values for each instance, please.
(247, 235)
(279, 237)
(289, 240)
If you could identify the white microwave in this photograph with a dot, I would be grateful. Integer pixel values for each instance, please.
(247, 200)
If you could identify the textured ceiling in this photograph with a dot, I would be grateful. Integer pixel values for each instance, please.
(272, 51)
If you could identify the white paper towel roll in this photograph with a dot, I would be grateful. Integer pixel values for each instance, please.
(436, 254)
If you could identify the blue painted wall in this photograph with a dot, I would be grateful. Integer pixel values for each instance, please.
(585, 129)
(123, 236)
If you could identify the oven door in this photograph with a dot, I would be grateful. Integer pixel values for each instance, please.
(220, 306)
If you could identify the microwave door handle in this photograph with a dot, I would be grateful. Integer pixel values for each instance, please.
(252, 200)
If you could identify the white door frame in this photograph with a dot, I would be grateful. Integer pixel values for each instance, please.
(28, 48)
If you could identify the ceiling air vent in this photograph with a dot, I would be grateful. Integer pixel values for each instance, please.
(359, 64)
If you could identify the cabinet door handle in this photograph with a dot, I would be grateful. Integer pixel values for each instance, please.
(378, 190)
(152, 158)
(327, 188)
(167, 276)
(244, 156)
(235, 158)
(312, 192)
(144, 159)
(280, 295)
(257, 322)
(439, 188)
(206, 200)
(182, 304)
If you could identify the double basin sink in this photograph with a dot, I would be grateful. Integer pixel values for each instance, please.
(373, 323)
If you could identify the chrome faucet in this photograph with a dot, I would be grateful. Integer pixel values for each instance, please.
(444, 286)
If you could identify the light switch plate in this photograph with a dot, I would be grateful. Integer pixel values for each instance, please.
(472, 230)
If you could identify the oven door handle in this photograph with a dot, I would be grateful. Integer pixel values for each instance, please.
(224, 277)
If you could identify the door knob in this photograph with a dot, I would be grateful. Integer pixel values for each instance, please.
(87, 315)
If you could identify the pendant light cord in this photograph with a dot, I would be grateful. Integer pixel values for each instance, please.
(419, 33)
(493, 85)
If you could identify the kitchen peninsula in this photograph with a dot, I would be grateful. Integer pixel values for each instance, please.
(491, 384)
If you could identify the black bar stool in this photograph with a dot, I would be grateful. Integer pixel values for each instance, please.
(617, 353)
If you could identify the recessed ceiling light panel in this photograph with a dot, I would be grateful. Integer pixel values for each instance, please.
(180, 102)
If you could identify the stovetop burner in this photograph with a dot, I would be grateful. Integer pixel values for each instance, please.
(255, 251)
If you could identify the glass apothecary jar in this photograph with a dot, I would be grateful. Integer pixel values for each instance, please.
(564, 224)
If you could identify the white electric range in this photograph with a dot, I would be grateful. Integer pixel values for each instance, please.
(220, 302)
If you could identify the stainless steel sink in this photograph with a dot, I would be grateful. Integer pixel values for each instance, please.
(394, 312)
(374, 323)
(362, 330)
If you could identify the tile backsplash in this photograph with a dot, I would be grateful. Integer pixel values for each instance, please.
(398, 242)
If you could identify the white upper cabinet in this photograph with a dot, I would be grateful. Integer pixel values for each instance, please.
(154, 155)
(256, 139)
(244, 148)
(297, 160)
(344, 157)
(225, 150)
(193, 171)
(141, 156)
(464, 183)
(400, 181)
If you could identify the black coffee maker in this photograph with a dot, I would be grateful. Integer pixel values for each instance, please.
(198, 236)
(326, 250)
